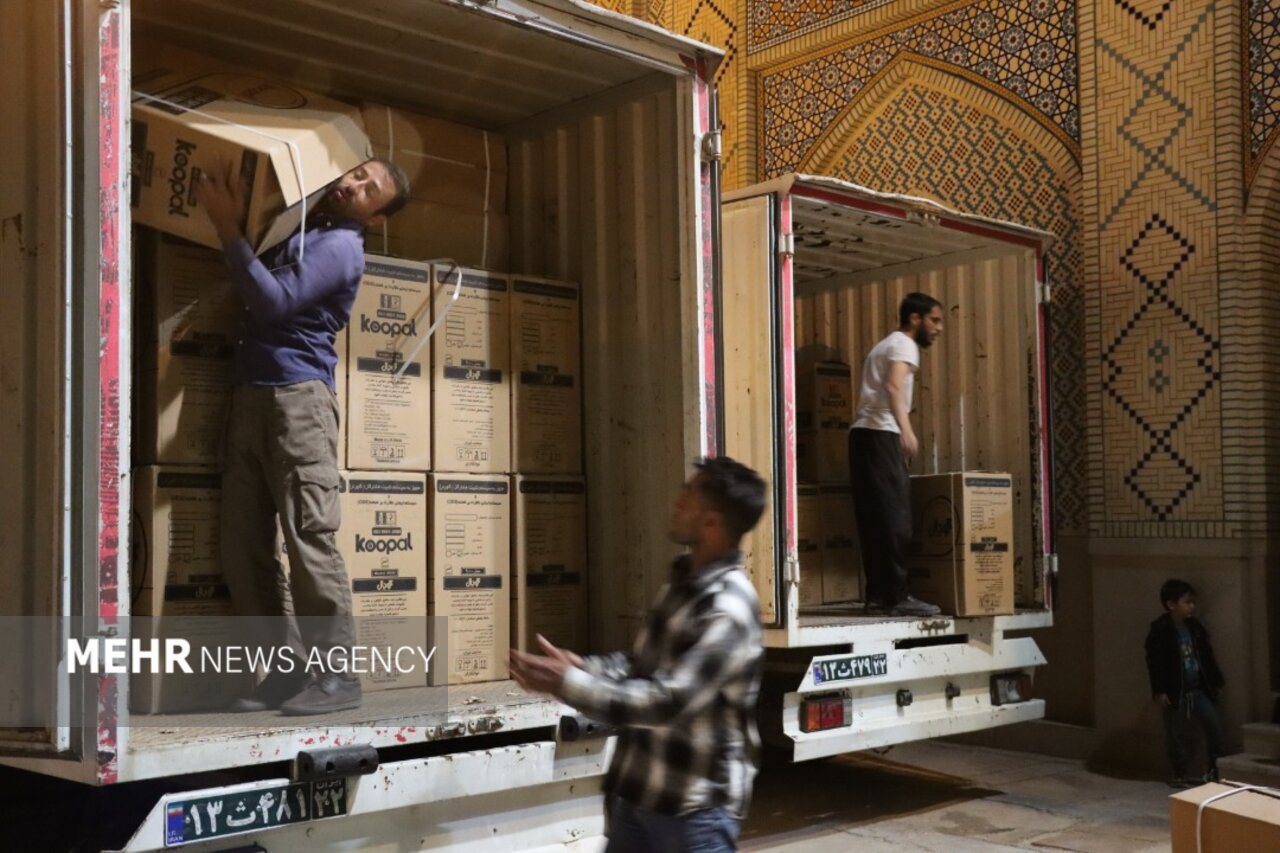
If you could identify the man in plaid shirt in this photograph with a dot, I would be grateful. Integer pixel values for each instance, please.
(685, 700)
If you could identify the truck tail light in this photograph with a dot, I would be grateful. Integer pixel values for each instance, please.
(825, 712)
(1010, 688)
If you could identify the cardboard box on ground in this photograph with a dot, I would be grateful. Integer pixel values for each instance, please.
(471, 374)
(187, 322)
(962, 543)
(546, 390)
(193, 114)
(384, 545)
(470, 597)
(388, 412)
(1238, 822)
(549, 595)
(178, 591)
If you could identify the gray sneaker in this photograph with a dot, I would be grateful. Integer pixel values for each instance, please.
(912, 606)
(324, 695)
(274, 690)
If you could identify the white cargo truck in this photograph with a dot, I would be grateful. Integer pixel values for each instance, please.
(613, 183)
(815, 268)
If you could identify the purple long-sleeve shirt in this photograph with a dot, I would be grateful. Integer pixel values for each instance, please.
(293, 309)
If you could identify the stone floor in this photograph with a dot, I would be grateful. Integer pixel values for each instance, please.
(950, 798)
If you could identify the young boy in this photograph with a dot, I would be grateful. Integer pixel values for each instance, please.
(1185, 679)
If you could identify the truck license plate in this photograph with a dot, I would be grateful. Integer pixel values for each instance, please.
(849, 668)
(200, 818)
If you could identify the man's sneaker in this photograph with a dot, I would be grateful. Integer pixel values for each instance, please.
(875, 605)
(272, 692)
(324, 695)
(912, 606)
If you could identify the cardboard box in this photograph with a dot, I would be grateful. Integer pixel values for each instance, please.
(470, 596)
(383, 541)
(187, 325)
(546, 402)
(841, 557)
(809, 543)
(282, 142)
(429, 231)
(176, 516)
(1240, 822)
(389, 416)
(447, 163)
(549, 595)
(471, 387)
(824, 413)
(177, 587)
(962, 542)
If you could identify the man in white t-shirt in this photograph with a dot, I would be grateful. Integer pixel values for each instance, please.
(881, 443)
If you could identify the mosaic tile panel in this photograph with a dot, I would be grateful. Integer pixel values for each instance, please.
(775, 21)
(715, 22)
(1025, 48)
(927, 142)
(1263, 73)
(1154, 333)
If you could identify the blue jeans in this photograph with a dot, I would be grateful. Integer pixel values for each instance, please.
(1193, 705)
(636, 830)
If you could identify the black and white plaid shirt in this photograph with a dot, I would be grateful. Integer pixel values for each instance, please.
(686, 699)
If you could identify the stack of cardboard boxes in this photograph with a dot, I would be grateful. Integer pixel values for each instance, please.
(461, 454)
(830, 562)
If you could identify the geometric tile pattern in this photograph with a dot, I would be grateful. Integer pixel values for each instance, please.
(776, 21)
(713, 22)
(1263, 72)
(1163, 477)
(1025, 48)
(925, 141)
(1155, 339)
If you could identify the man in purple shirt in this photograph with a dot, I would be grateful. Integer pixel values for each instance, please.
(281, 445)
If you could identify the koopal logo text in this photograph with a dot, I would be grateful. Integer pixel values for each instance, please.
(180, 177)
(385, 546)
(383, 327)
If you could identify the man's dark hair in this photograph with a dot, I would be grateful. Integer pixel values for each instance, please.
(915, 303)
(733, 490)
(1173, 590)
(400, 178)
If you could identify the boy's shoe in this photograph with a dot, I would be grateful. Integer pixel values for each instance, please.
(1211, 775)
(912, 606)
(272, 692)
(324, 695)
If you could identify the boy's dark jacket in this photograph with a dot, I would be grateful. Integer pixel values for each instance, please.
(1164, 660)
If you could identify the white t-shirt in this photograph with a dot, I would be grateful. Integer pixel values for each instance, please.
(875, 411)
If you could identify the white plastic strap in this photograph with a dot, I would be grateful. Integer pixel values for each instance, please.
(294, 154)
(1224, 795)
(431, 330)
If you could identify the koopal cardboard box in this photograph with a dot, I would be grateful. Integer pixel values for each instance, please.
(447, 163)
(549, 595)
(470, 595)
(809, 542)
(428, 231)
(962, 542)
(546, 402)
(824, 413)
(192, 115)
(471, 364)
(388, 413)
(1240, 822)
(383, 541)
(841, 558)
(188, 321)
(177, 587)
